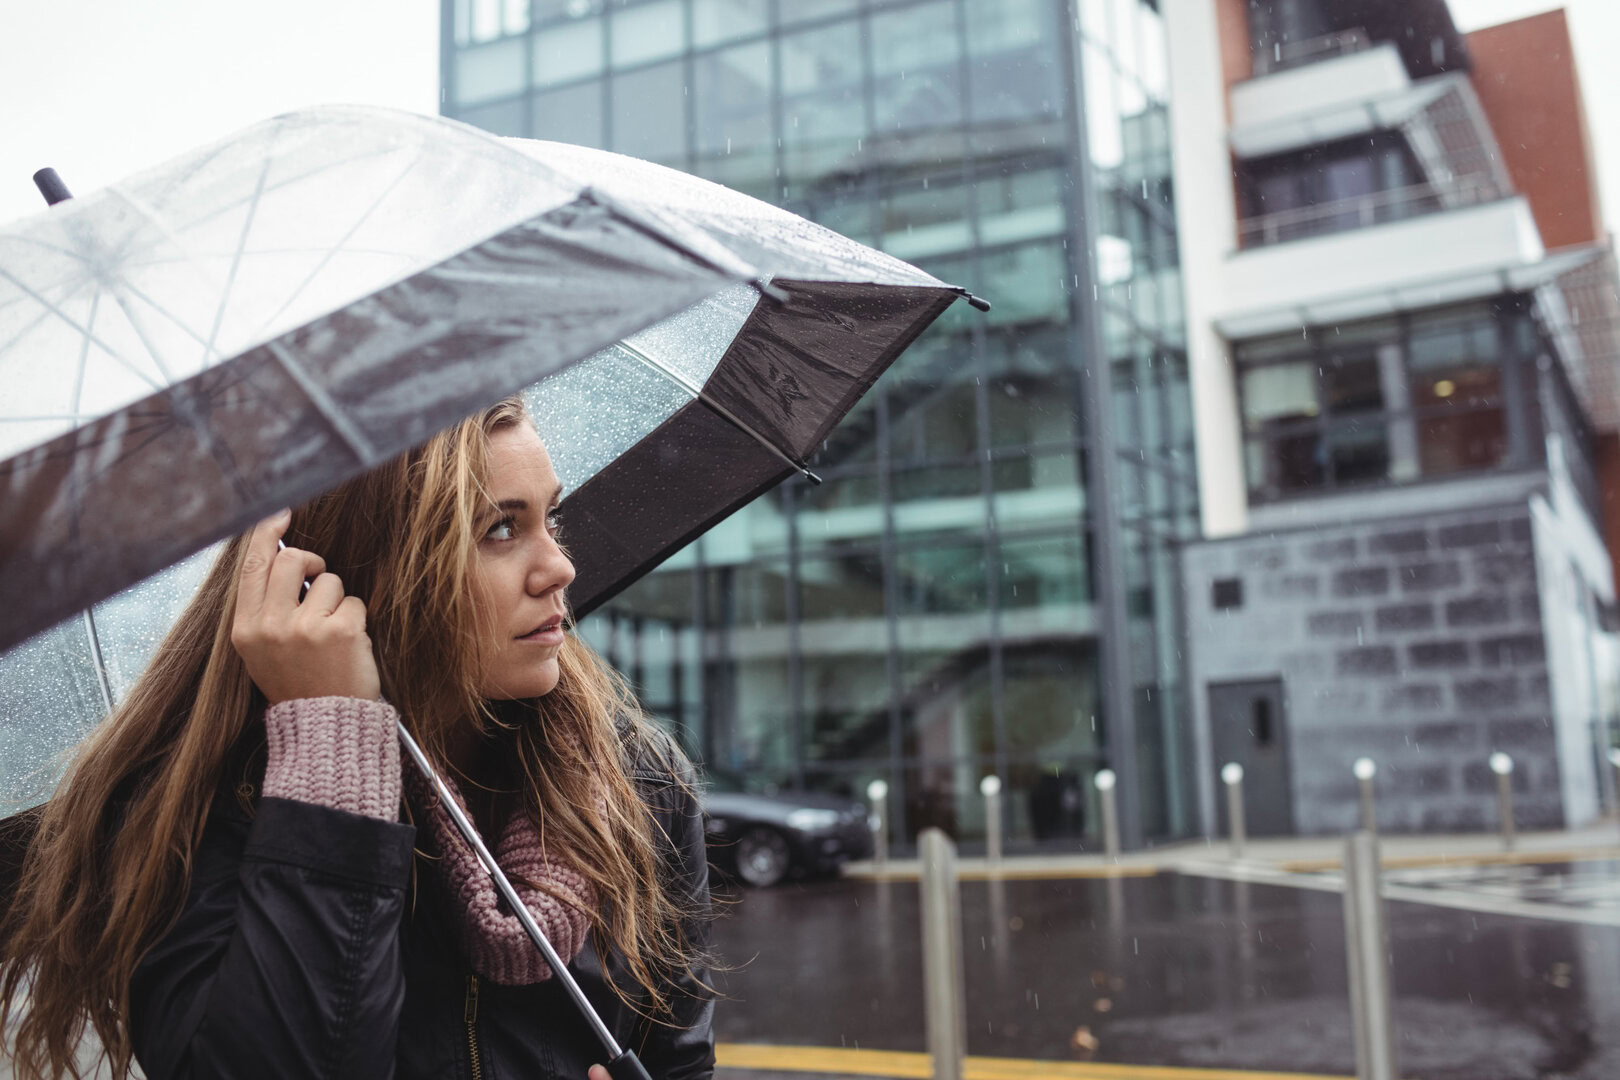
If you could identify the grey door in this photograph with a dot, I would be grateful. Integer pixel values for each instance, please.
(1249, 724)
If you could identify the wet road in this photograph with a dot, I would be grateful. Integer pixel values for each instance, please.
(1174, 970)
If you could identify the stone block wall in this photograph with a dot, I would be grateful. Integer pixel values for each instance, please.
(1414, 641)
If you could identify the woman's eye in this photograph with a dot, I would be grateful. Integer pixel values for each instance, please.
(554, 523)
(504, 529)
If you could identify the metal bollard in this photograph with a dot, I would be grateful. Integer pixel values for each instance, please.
(877, 793)
(1614, 759)
(1365, 769)
(1105, 781)
(1367, 950)
(1502, 766)
(943, 1001)
(1232, 777)
(990, 788)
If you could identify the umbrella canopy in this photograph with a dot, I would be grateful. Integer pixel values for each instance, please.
(256, 321)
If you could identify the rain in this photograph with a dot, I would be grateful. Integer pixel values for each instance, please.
(1119, 500)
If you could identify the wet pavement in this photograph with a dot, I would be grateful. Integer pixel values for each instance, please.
(1184, 970)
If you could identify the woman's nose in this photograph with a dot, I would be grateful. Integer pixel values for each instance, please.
(551, 569)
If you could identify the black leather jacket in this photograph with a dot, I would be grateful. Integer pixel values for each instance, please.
(302, 952)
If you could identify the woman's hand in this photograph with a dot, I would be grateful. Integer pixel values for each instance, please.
(598, 1073)
(317, 648)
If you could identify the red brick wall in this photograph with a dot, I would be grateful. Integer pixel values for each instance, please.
(1524, 73)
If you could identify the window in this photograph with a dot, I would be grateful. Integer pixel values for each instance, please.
(649, 114)
(1331, 188)
(1380, 401)
(916, 77)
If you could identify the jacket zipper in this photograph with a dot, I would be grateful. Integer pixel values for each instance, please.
(471, 1014)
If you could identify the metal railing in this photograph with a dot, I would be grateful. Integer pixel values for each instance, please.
(1291, 54)
(1374, 208)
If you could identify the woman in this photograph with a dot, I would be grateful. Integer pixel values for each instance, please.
(225, 884)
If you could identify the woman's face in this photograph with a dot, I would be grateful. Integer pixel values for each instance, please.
(518, 572)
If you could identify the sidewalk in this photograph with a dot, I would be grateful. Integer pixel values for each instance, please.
(1293, 854)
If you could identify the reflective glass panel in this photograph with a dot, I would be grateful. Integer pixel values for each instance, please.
(572, 114)
(916, 75)
(649, 113)
(568, 51)
(733, 113)
(1012, 60)
(823, 110)
(715, 22)
(491, 71)
(648, 32)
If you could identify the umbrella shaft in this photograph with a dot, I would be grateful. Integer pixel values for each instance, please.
(519, 908)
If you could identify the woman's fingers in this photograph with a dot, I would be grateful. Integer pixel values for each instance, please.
(598, 1073)
(324, 596)
(261, 552)
(288, 570)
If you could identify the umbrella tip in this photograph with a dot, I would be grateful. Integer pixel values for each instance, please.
(774, 292)
(979, 303)
(50, 185)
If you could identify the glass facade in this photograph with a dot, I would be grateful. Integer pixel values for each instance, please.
(984, 581)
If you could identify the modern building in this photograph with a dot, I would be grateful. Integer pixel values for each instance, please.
(987, 580)
(1401, 320)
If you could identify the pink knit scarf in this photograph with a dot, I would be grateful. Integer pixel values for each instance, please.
(557, 895)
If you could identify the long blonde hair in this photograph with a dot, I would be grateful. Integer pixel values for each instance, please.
(110, 864)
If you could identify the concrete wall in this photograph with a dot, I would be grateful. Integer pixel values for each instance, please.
(1348, 275)
(1208, 46)
(1414, 640)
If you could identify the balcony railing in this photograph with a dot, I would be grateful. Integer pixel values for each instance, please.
(1291, 54)
(1374, 208)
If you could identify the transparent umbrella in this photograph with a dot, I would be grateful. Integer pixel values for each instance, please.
(258, 320)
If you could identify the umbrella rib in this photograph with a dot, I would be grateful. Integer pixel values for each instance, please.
(698, 393)
(65, 317)
(324, 404)
(236, 259)
(332, 252)
(84, 354)
(99, 661)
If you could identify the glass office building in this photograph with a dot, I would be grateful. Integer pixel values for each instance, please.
(984, 582)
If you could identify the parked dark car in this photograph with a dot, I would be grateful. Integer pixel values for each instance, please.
(762, 837)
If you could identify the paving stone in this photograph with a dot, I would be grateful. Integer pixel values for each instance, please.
(1478, 611)
(1335, 623)
(1512, 650)
(1368, 660)
(1405, 617)
(1362, 581)
(1494, 693)
(1399, 543)
(1425, 780)
(1470, 534)
(1447, 734)
(1438, 654)
(1427, 577)
(1533, 731)
(1271, 557)
(1335, 550)
(1504, 568)
(1414, 697)
(1291, 587)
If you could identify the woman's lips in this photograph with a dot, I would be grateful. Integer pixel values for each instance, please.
(546, 635)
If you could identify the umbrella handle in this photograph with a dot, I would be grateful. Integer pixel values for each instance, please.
(627, 1067)
(622, 1063)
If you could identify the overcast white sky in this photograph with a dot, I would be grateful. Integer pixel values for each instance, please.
(102, 88)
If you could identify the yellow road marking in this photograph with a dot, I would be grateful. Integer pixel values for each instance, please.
(904, 1065)
(1484, 858)
(1014, 874)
